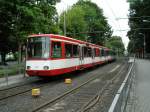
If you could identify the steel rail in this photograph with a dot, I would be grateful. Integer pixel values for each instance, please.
(67, 93)
(118, 94)
(98, 96)
(3, 98)
(23, 84)
(25, 91)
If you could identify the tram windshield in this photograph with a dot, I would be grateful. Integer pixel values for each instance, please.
(38, 47)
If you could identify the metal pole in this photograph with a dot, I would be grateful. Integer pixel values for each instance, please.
(144, 43)
(134, 42)
(65, 23)
(144, 46)
(24, 74)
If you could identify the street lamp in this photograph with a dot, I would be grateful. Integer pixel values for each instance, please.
(143, 43)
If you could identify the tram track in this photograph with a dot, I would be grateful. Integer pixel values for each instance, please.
(97, 98)
(19, 85)
(24, 88)
(52, 88)
(13, 91)
(70, 92)
(18, 93)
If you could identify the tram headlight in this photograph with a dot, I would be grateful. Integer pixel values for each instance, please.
(28, 67)
(45, 67)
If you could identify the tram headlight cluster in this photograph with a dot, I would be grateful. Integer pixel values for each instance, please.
(45, 67)
(28, 67)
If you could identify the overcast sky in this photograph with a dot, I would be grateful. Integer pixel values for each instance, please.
(112, 9)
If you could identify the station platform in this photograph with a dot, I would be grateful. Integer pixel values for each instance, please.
(7, 82)
(139, 100)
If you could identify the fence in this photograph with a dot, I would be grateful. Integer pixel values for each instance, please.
(11, 69)
(120, 101)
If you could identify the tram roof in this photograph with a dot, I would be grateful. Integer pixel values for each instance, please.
(67, 38)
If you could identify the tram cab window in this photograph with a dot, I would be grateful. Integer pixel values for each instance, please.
(75, 51)
(56, 50)
(38, 47)
(68, 49)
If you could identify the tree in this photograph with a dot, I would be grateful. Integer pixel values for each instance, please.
(21, 18)
(138, 22)
(86, 20)
(98, 27)
(115, 43)
(75, 23)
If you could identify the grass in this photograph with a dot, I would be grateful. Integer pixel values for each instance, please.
(11, 69)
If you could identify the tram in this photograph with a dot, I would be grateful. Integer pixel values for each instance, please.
(51, 55)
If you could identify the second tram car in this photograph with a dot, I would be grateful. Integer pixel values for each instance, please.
(50, 55)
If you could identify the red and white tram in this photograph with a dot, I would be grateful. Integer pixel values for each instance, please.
(50, 55)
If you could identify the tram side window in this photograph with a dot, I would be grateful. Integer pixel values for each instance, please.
(83, 55)
(75, 51)
(85, 52)
(102, 52)
(89, 52)
(68, 49)
(106, 53)
(56, 50)
(95, 54)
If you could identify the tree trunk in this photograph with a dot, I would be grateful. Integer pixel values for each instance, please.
(19, 54)
(3, 54)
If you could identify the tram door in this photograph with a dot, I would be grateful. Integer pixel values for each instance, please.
(93, 55)
(81, 57)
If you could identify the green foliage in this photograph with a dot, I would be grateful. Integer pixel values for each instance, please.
(139, 23)
(116, 44)
(12, 70)
(86, 20)
(21, 18)
(74, 22)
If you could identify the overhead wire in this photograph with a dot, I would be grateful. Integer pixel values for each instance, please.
(118, 24)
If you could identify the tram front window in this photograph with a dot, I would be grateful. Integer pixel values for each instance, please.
(38, 47)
